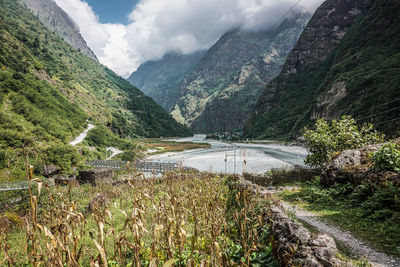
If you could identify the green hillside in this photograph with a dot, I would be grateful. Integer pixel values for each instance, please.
(361, 77)
(48, 91)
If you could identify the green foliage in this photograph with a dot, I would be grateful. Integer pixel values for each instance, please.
(63, 156)
(338, 135)
(387, 158)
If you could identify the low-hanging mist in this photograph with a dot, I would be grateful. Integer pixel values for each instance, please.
(157, 26)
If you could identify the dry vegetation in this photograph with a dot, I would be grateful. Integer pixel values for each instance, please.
(185, 219)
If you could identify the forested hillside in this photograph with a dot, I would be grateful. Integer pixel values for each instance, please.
(347, 61)
(48, 91)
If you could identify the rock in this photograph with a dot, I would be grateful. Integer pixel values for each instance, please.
(95, 176)
(325, 256)
(99, 202)
(50, 170)
(323, 240)
(310, 261)
(64, 180)
(5, 224)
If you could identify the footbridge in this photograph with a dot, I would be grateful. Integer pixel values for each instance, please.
(144, 166)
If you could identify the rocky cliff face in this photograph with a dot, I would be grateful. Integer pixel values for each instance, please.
(161, 79)
(221, 90)
(344, 62)
(54, 18)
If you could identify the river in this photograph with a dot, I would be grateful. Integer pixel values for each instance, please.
(253, 158)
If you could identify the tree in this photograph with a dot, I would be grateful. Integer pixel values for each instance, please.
(338, 135)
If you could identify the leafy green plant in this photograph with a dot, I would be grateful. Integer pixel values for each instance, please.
(387, 158)
(328, 138)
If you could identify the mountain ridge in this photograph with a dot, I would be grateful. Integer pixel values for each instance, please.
(56, 19)
(349, 76)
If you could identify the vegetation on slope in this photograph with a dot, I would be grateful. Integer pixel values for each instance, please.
(360, 78)
(48, 91)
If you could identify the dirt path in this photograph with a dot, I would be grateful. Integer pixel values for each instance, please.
(356, 245)
(82, 136)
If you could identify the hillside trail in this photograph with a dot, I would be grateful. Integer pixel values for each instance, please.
(357, 246)
(112, 150)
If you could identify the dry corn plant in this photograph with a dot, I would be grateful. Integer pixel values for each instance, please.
(179, 220)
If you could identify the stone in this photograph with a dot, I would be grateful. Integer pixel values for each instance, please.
(95, 176)
(310, 261)
(50, 170)
(323, 240)
(5, 224)
(100, 201)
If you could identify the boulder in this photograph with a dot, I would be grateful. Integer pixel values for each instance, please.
(5, 224)
(99, 202)
(95, 176)
(50, 170)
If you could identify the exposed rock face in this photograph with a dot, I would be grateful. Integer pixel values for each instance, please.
(219, 93)
(335, 69)
(161, 79)
(54, 18)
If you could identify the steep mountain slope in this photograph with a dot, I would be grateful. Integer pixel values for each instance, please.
(347, 61)
(48, 89)
(160, 79)
(221, 90)
(54, 18)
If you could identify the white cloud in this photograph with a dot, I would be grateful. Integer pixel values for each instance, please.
(159, 26)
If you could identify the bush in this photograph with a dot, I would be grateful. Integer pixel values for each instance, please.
(387, 158)
(339, 135)
(64, 156)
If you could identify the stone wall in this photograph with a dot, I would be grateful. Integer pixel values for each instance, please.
(293, 244)
(95, 176)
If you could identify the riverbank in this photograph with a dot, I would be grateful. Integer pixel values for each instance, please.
(234, 157)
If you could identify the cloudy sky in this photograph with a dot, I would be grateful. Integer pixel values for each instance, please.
(126, 33)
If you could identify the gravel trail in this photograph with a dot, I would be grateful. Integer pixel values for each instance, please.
(356, 245)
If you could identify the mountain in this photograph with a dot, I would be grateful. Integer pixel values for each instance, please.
(347, 61)
(48, 89)
(54, 18)
(160, 79)
(219, 93)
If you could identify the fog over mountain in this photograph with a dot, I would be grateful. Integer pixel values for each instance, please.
(157, 27)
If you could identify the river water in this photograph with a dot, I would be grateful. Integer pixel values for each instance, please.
(252, 158)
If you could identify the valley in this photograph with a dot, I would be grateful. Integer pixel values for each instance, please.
(200, 133)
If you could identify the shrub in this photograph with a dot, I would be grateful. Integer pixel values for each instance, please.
(387, 158)
(328, 138)
(64, 156)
